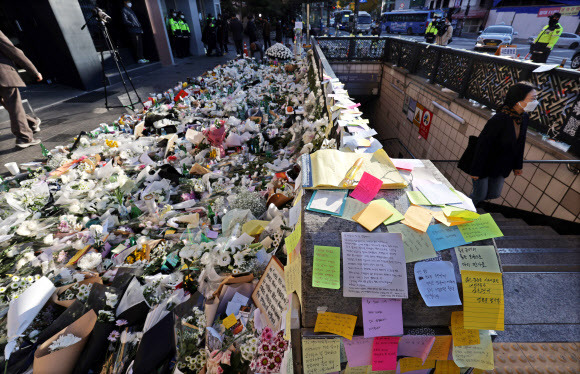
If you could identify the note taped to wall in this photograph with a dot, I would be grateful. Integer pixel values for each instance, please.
(335, 323)
(293, 277)
(326, 267)
(385, 353)
(382, 317)
(483, 300)
(293, 239)
(359, 351)
(320, 355)
(462, 336)
(414, 363)
(479, 356)
(446, 367)
(415, 346)
(440, 348)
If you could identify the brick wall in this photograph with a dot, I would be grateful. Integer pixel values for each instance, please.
(549, 189)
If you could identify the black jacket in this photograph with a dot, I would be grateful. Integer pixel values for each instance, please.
(130, 21)
(498, 152)
(252, 31)
(237, 29)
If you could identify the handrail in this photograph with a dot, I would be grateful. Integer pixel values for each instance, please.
(400, 143)
(530, 161)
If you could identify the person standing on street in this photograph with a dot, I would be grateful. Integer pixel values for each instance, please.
(266, 31)
(221, 34)
(237, 34)
(256, 48)
(185, 36)
(431, 31)
(174, 31)
(500, 146)
(251, 29)
(546, 39)
(443, 36)
(210, 35)
(22, 125)
(134, 30)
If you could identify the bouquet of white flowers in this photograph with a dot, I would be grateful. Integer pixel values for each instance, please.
(279, 51)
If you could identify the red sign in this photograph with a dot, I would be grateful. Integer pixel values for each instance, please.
(547, 12)
(425, 123)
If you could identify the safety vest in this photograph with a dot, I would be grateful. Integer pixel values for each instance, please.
(183, 25)
(174, 26)
(549, 37)
(431, 29)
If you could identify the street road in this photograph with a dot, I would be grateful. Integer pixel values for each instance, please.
(556, 57)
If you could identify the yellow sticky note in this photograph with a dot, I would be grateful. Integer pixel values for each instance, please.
(461, 335)
(373, 215)
(254, 227)
(415, 363)
(396, 217)
(293, 239)
(364, 142)
(335, 323)
(288, 330)
(482, 300)
(229, 321)
(358, 370)
(440, 348)
(451, 211)
(479, 356)
(449, 221)
(417, 198)
(446, 367)
(320, 355)
(478, 258)
(293, 277)
(418, 218)
(78, 255)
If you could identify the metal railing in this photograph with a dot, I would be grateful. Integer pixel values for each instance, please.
(472, 75)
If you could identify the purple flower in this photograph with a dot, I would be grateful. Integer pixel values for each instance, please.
(121, 322)
(113, 336)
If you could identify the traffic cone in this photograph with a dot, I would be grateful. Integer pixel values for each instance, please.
(246, 53)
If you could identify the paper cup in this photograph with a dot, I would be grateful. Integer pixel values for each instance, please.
(12, 168)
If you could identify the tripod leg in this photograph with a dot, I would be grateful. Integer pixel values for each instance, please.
(104, 79)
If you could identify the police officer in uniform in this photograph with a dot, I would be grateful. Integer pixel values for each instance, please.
(174, 31)
(185, 35)
(209, 36)
(431, 31)
(546, 39)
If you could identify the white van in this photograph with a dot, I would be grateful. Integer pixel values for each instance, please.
(364, 22)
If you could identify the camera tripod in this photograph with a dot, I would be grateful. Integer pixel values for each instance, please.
(102, 19)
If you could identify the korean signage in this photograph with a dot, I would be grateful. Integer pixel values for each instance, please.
(425, 124)
(564, 10)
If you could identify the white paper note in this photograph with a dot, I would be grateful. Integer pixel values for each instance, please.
(436, 283)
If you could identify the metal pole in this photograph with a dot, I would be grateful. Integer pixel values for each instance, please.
(328, 8)
(355, 16)
(308, 21)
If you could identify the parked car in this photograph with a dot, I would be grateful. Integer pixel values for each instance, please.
(566, 40)
(493, 36)
(575, 61)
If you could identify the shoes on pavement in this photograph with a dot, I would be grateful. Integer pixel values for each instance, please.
(36, 127)
(24, 144)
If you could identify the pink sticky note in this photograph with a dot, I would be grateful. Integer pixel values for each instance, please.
(385, 353)
(382, 317)
(367, 188)
(354, 106)
(415, 346)
(211, 234)
(358, 351)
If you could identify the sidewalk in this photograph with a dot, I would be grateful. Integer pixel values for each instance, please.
(71, 111)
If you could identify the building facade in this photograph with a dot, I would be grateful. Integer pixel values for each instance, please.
(54, 36)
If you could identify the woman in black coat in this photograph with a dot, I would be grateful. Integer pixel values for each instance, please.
(500, 146)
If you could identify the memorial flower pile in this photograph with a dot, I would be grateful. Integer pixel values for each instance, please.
(279, 51)
(145, 239)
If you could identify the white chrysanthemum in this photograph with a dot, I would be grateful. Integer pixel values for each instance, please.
(90, 261)
(224, 259)
(64, 341)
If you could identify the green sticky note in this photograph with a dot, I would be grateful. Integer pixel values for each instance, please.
(482, 228)
(326, 267)
(417, 198)
(396, 217)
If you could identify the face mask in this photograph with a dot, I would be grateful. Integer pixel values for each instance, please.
(530, 107)
(129, 5)
(174, 15)
(182, 17)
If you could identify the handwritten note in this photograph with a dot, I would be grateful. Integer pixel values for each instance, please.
(382, 317)
(385, 353)
(417, 245)
(367, 188)
(450, 221)
(373, 215)
(461, 335)
(270, 293)
(373, 265)
(293, 277)
(438, 193)
(479, 258)
(415, 346)
(436, 283)
(418, 218)
(351, 208)
(358, 351)
(483, 299)
(294, 214)
(443, 237)
(357, 369)
(479, 356)
(482, 228)
(446, 367)
(440, 348)
(335, 323)
(293, 239)
(320, 355)
(452, 211)
(327, 201)
(326, 267)
(413, 363)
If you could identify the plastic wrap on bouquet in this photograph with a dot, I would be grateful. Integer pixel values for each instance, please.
(185, 309)
(60, 290)
(124, 276)
(157, 347)
(63, 360)
(98, 299)
(133, 308)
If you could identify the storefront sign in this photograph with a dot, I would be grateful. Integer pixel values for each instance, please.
(564, 10)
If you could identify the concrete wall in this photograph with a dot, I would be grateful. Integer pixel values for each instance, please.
(527, 24)
(551, 190)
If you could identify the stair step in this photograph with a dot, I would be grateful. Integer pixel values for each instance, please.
(529, 231)
(495, 216)
(533, 259)
(548, 243)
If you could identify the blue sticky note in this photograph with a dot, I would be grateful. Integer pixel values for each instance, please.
(444, 237)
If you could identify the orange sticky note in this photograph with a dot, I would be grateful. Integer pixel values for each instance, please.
(415, 363)
(446, 367)
(482, 300)
(373, 215)
(418, 218)
(336, 323)
(462, 336)
(440, 348)
(78, 255)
